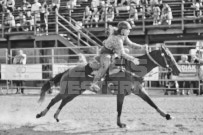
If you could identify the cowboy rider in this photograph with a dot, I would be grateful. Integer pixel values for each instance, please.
(114, 45)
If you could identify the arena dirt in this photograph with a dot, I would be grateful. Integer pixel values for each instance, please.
(96, 115)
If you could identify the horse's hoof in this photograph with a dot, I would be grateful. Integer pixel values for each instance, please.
(56, 118)
(121, 125)
(38, 116)
(169, 117)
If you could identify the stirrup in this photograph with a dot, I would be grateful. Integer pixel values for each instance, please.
(94, 87)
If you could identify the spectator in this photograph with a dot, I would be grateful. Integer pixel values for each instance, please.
(194, 85)
(86, 15)
(184, 84)
(103, 10)
(94, 6)
(95, 18)
(56, 5)
(166, 15)
(22, 23)
(2, 5)
(71, 4)
(10, 4)
(29, 20)
(156, 14)
(35, 9)
(144, 7)
(43, 16)
(123, 6)
(112, 2)
(20, 58)
(133, 15)
(9, 20)
(110, 14)
(26, 5)
(196, 5)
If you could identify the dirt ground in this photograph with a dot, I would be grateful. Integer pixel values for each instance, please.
(95, 115)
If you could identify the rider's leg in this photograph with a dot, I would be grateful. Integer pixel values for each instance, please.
(105, 61)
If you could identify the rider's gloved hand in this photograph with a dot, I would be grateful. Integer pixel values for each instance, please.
(136, 61)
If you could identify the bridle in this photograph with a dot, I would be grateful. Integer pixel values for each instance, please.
(152, 59)
(156, 63)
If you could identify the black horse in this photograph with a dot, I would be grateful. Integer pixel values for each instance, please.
(76, 80)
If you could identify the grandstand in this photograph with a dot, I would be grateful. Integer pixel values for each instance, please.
(63, 32)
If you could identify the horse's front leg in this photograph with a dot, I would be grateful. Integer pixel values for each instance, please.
(120, 98)
(144, 95)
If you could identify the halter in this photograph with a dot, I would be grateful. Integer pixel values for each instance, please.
(152, 59)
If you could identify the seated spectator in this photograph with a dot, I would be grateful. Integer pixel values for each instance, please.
(26, 5)
(87, 15)
(56, 5)
(166, 15)
(94, 6)
(95, 18)
(110, 14)
(196, 5)
(133, 15)
(22, 20)
(43, 16)
(184, 85)
(29, 20)
(153, 3)
(71, 4)
(35, 9)
(123, 6)
(10, 4)
(103, 11)
(144, 5)
(112, 2)
(9, 20)
(156, 14)
(2, 5)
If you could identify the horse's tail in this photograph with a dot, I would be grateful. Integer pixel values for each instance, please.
(47, 86)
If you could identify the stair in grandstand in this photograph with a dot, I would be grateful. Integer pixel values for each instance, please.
(71, 34)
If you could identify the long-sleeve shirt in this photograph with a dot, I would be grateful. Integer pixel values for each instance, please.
(115, 43)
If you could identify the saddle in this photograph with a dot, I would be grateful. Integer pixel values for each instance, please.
(116, 66)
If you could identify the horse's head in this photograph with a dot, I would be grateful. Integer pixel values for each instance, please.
(168, 60)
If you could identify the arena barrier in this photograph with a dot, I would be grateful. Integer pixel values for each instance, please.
(44, 63)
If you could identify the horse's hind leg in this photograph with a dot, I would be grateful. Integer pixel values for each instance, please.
(63, 103)
(53, 101)
(144, 95)
(120, 98)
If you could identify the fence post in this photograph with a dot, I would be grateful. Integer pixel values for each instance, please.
(105, 18)
(52, 61)
(56, 16)
(143, 19)
(182, 15)
(35, 27)
(2, 25)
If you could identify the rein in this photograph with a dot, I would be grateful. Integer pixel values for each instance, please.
(154, 61)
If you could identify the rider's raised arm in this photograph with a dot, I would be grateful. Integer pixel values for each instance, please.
(120, 50)
(132, 44)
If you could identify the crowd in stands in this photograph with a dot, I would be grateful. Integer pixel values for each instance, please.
(28, 14)
(160, 12)
(98, 11)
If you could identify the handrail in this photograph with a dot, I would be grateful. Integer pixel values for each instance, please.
(79, 31)
(72, 33)
(86, 31)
